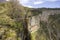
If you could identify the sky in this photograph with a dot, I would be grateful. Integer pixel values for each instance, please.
(40, 3)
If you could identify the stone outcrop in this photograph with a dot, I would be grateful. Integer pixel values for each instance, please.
(34, 21)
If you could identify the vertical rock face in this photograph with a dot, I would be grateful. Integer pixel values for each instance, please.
(33, 23)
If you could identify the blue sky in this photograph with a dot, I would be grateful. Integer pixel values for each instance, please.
(41, 3)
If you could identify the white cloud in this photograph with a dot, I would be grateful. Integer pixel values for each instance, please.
(51, 0)
(38, 2)
(7, 0)
(34, 2)
(42, 1)
(28, 6)
(24, 1)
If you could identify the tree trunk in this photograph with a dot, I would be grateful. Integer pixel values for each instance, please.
(26, 33)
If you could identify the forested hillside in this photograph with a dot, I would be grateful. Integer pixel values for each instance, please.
(11, 21)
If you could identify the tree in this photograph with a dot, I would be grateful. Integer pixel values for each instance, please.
(20, 14)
